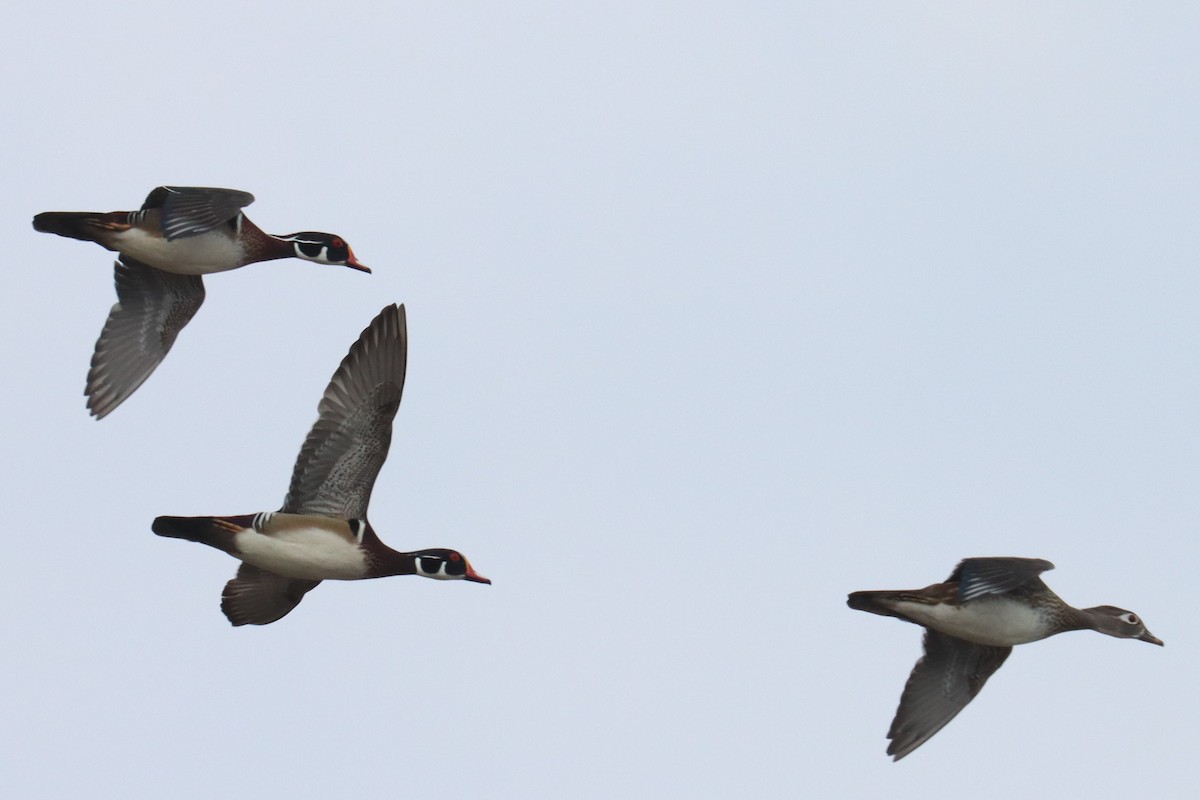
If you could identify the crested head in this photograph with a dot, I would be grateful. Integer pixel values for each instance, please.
(323, 248)
(1120, 623)
(445, 565)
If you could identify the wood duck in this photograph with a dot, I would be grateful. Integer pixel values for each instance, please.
(971, 623)
(322, 532)
(179, 234)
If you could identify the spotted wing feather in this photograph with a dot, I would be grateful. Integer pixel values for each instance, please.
(259, 597)
(191, 210)
(341, 457)
(152, 307)
(944, 680)
(981, 576)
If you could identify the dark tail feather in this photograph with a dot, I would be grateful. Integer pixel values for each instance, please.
(194, 529)
(215, 532)
(874, 602)
(66, 223)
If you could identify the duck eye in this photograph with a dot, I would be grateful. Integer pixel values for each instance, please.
(455, 556)
(337, 242)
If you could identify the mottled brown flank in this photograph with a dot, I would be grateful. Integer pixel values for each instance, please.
(282, 523)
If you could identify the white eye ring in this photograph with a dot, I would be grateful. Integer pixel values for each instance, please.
(1129, 617)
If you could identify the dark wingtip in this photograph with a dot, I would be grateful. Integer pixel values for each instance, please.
(97, 408)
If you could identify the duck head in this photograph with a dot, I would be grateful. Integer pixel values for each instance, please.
(323, 248)
(445, 565)
(1120, 623)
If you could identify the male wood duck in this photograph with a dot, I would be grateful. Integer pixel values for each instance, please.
(179, 234)
(971, 623)
(322, 533)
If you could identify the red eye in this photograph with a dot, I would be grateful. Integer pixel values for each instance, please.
(337, 242)
(455, 556)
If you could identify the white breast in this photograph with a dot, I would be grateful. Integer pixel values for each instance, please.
(992, 621)
(209, 252)
(308, 553)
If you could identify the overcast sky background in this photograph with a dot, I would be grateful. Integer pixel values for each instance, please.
(717, 312)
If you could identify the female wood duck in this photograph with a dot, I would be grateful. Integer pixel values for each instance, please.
(179, 234)
(322, 533)
(971, 623)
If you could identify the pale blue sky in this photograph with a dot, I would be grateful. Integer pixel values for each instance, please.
(716, 313)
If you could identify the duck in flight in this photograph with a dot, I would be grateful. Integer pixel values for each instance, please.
(179, 234)
(971, 623)
(322, 532)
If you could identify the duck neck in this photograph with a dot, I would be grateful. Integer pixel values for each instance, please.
(262, 246)
(386, 562)
(1079, 619)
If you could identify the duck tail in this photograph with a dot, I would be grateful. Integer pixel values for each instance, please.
(215, 532)
(86, 226)
(64, 223)
(874, 602)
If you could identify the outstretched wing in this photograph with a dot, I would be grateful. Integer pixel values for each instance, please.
(979, 576)
(944, 680)
(341, 457)
(190, 210)
(152, 307)
(259, 597)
